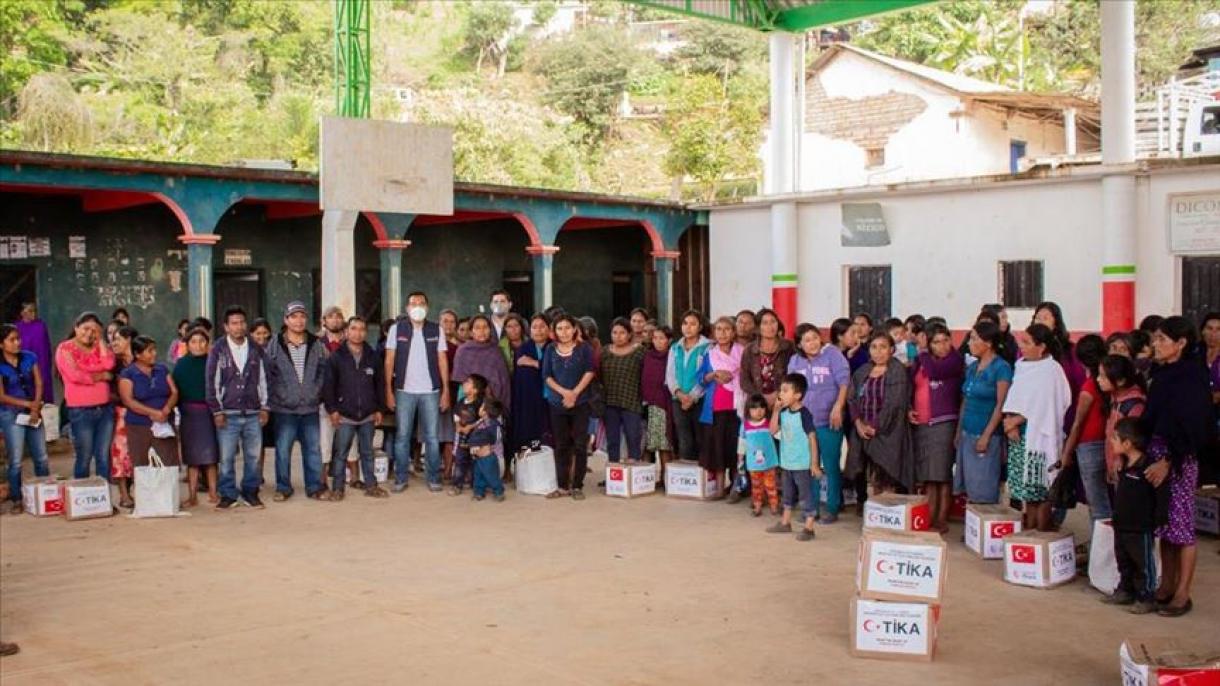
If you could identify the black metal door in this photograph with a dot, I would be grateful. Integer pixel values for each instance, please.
(241, 287)
(1200, 286)
(868, 290)
(18, 285)
(520, 287)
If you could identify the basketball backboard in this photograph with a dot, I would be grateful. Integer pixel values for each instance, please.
(383, 166)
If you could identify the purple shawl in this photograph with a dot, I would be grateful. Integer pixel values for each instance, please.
(34, 338)
(486, 360)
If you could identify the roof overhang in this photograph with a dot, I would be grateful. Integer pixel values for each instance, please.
(795, 16)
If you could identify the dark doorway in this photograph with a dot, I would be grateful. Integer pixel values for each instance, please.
(868, 290)
(520, 287)
(241, 287)
(18, 285)
(627, 293)
(1200, 286)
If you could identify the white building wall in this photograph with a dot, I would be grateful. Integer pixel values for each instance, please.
(946, 246)
(934, 145)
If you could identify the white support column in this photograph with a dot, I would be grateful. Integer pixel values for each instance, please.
(781, 147)
(1069, 130)
(1118, 209)
(338, 260)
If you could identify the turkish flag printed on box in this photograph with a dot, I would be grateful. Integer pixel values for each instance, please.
(1041, 559)
(986, 527)
(631, 479)
(897, 512)
(43, 497)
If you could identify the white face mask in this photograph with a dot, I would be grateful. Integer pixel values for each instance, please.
(499, 309)
(417, 313)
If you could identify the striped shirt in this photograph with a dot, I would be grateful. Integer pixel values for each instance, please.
(297, 353)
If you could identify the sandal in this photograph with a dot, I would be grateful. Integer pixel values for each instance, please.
(190, 502)
(756, 511)
(578, 494)
(1171, 611)
(127, 504)
(376, 492)
(455, 490)
(320, 495)
(336, 496)
(558, 493)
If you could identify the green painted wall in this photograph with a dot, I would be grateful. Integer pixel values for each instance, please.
(459, 265)
(585, 265)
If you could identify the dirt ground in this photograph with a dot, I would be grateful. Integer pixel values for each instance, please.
(427, 588)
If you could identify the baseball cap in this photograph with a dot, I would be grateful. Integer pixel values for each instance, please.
(294, 307)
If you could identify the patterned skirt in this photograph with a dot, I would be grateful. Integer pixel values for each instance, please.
(656, 437)
(1179, 528)
(120, 456)
(1025, 473)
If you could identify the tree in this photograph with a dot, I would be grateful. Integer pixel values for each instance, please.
(712, 48)
(586, 75)
(53, 117)
(32, 33)
(486, 33)
(714, 131)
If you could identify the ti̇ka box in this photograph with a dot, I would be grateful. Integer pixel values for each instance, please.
(901, 565)
(1168, 662)
(897, 512)
(1041, 559)
(87, 498)
(686, 479)
(1207, 510)
(893, 631)
(43, 497)
(986, 527)
(631, 479)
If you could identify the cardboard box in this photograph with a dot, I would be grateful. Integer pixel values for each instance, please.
(905, 566)
(986, 527)
(897, 512)
(1207, 510)
(1041, 559)
(43, 497)
(686, 479)
(1168, 662)
(631, 479)
(893, 631)
(87, 499)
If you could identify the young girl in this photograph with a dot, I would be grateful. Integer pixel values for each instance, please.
(1125, 397)
(1086, 440)
(658, 403)
(938, 390)
(756, 452)
(200, 451)
(621, 364)
(465, 417)
(827, 378)
(682, 378)
(1033, 421)
(121, 468)
(21, 393)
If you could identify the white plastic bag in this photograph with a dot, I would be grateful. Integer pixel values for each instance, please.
(1103, 567)
(157, 492)
(50, 423)
(536, 472)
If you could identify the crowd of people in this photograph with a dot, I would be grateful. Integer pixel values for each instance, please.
(1122, 424)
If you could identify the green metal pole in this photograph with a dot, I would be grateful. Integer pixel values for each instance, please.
(353, 55)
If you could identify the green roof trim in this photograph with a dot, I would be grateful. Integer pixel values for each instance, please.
(794, 16)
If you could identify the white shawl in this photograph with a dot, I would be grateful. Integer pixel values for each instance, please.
(1041, 394)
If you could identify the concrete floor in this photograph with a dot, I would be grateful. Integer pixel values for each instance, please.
(426, 588)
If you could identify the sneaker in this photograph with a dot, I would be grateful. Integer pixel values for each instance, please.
(399, 488)
(578, 494)
(1118, 598)
(435, 488)
(376, 492)
(1142, 607)
(281, 496)
(499, 497)
(254, 501)
(779, 528)
(476, 498)
(226, 504)
(805, 535)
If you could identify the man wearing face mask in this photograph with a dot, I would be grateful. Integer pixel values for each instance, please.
(418, 370)
(500, 307)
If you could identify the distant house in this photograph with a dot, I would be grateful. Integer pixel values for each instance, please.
(872, 119)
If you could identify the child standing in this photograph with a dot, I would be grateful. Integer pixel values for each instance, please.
(798, 456)
(484, 444)
(756, 452)
(1139, 508)
(465, 417)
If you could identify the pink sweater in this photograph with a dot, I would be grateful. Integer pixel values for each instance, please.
(76, 368)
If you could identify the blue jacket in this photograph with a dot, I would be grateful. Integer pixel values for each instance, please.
(233, 390)
(353, 389)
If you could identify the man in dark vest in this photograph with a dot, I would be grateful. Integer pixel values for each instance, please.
(418, 370)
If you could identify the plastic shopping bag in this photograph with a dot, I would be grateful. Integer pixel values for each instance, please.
(157, 493)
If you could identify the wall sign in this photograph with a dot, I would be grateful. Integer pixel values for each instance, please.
(40, 247)
(1194, 222)
(238, 257)
(863, 225)
(13, 248)
(76, 247)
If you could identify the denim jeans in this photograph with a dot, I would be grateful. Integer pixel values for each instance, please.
(1091, 457)
(16, 437)
(363, 433)
(978, 474)
(240, 430)
(830, 450)
(799, 491)
(619, 421)
(289, 429)
(427, 406)
(487, 476)
(92, 429)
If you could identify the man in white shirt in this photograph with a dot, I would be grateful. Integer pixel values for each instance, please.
(418, 372)
(501, 306)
